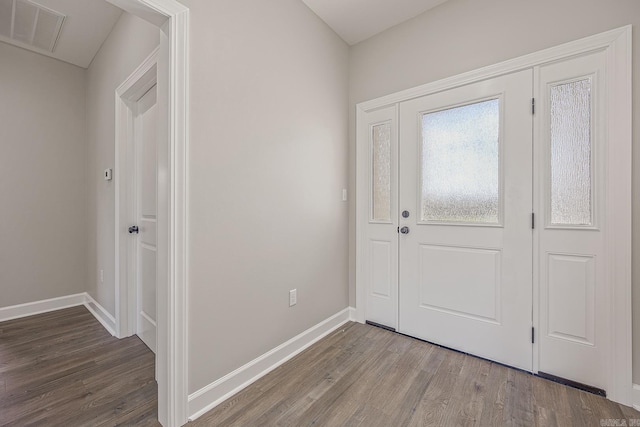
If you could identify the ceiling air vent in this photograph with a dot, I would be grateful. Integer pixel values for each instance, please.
(30, 23)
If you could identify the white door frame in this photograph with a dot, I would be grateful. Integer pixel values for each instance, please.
(617, 44)
(172, 19)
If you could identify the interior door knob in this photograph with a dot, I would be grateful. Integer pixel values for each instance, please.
(133, 229)
(404, 230)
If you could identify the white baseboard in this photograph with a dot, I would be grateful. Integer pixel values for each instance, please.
(636, 397)
(218, 391)
(54, 304)
(43, 306)
(101, 314)
(352, 314)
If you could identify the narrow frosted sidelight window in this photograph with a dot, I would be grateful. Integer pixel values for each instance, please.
(571, 153)
(461, 164)
(381, 176)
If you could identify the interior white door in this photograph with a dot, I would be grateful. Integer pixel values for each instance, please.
(574, 314)
(466, 237)
(145, 137)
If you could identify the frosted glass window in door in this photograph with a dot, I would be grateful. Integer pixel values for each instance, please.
(381, 168)
(571, 153)
(461, 164)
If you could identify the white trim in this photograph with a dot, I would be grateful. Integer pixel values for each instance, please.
(619, 217)
(636, 397)
(101, 314)
(172, 17)
(137, 75)
(43, 306)
(60, 303)
(352, 314)
(173, 283)
(143, 9)
(617, 44)
(218, 391)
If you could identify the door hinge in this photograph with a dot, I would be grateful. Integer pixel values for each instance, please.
(533, 335)
(533, 221)
(533, 105)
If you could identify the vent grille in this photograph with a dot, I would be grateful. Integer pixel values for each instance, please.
(30, 23)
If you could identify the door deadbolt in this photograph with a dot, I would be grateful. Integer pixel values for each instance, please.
(405, 214)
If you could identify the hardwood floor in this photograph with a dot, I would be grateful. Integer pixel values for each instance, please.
(365, 376)
(64, 369)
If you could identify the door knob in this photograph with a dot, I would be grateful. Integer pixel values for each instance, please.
(404, 230)
(133, 229)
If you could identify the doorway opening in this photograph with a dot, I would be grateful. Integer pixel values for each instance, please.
(172, 19)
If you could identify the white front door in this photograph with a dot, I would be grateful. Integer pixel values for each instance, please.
(145, 136)
(466, 203)
(449, 178)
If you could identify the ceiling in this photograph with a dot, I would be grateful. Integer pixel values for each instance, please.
(86, 25)
(357, 20)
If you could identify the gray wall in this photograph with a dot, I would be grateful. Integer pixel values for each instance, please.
(267, 165)
(42, 186)
(129, 43)
(462, 35)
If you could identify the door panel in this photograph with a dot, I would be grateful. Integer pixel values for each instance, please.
(571, 282)
(442, 286)
(381, 271)
(378, 147)
(466, 179)
(145, 128)
(573, 301)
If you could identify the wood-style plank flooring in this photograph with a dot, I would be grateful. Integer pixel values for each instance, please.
(361, 375)
(64, 369)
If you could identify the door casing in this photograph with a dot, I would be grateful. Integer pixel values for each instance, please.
(172, 19)
(617, 45)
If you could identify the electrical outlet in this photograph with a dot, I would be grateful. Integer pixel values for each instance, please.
(101, 276)
(293, 297)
